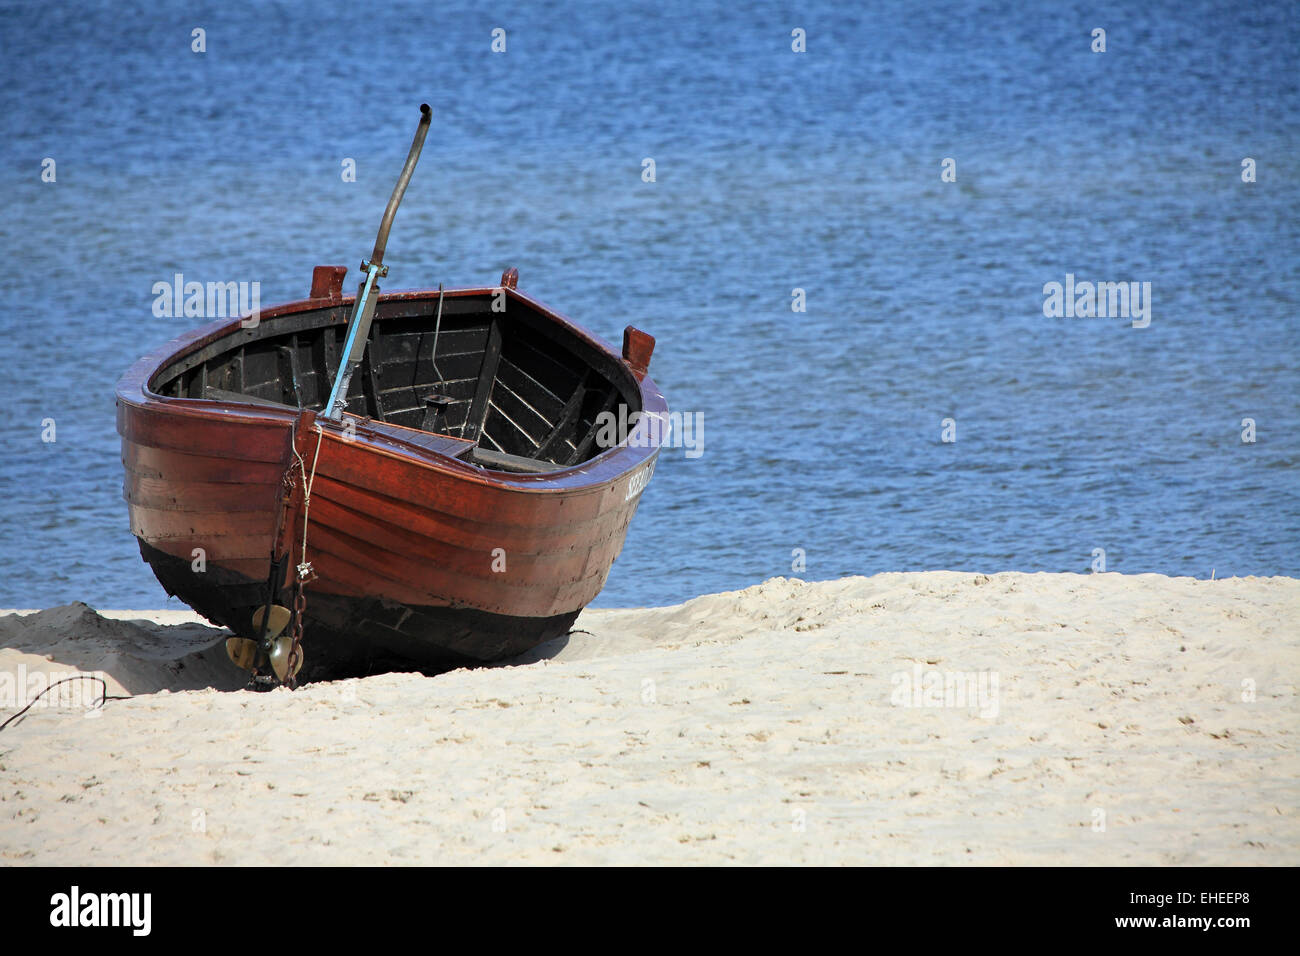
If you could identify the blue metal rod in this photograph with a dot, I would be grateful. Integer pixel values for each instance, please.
(338, 394)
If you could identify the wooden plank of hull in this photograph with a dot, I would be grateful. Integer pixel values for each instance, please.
(460, 489)
(153, 524)
(345, 569)
(408, 372)
(455, 492)
(457, 530)
(170, 465)
(163, 494)
(218, 550)
(214, 549)
(235, 436)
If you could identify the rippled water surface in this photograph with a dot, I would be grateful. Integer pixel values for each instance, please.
(775, 171)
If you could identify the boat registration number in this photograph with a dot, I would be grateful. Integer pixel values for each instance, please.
(639, 481)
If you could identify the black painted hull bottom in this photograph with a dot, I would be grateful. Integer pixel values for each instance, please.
(352, 637)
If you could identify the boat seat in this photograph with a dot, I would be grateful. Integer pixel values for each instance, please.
(221, 395)
(438, 444)
(505, 462)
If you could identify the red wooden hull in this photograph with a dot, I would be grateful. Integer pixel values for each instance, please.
(419, 559)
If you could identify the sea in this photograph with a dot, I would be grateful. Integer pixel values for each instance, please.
(842, 222)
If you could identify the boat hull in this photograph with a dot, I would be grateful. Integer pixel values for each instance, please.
(410, 556)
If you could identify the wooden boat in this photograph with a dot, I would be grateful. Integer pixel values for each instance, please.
(457, 508)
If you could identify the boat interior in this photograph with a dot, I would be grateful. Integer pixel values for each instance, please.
(511, 391)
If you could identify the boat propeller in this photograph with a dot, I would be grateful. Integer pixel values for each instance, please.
(276, 621)
(242, 652)
(269, 621)
(281, 649)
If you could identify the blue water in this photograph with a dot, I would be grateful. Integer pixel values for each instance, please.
(775, 170)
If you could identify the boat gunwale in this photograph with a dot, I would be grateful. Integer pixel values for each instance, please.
(594, 475)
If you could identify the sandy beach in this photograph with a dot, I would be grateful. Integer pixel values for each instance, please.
(921, 718)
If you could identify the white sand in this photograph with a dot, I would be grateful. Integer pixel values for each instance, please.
(750, 727)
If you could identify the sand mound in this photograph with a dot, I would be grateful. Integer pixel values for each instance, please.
(135, 656)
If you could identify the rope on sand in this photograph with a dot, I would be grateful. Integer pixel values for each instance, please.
(103, 698)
